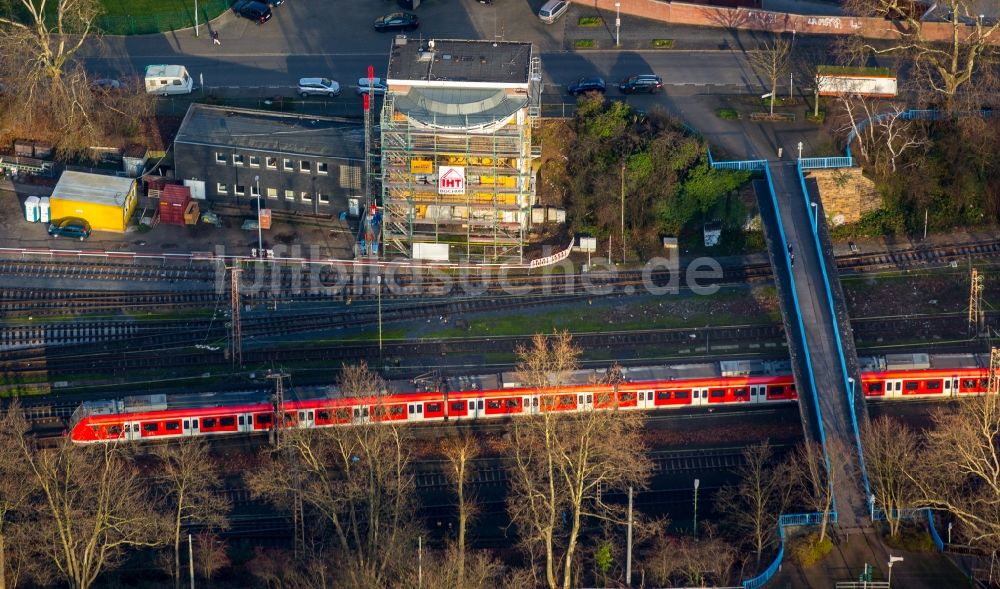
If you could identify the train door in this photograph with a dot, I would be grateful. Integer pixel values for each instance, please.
(699, 397)
(585, 401)
(307, 418)
(757, 393)
(951, 386)
(893, 389)
(479, 412)
(361, 414)
(531, 405)
(132, 431)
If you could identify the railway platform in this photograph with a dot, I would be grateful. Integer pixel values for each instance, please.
(820, 341)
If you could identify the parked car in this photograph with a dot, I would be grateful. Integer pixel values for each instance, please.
(253, 10)
(587, 84)
(649, 83)
(70, 227)
(552, 10)
(273, 3)
(378, 86)
(318, 87)
(397, 21)
(107, 84)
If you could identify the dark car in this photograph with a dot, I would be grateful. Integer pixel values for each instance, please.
(587, 84)
(253, 10)
(70, 227)
(648, 83)
(397, 21)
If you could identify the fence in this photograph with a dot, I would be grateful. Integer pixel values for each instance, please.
(913, 513)
(747, 165)
(793, 519)
(819, 163)
(155, 23)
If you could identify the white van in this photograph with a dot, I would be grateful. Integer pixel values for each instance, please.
(552, 10)
(168, 79)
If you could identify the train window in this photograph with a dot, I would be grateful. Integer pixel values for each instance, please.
(590, 398)
(912, 385)
(493, 404)
(581, 399)
(114, 430)
(534, 402)
(150, 427)
(242, 421)
(323, 415)
(263, 419)
(480, 403)
(567, 400)
(740, 392)
(302, 415)
(718, 393)
(227, 421)
(173, 426)
(194, 424)
(513, 403)
(458, 406)
(309, 414)
(412, 410)
(984, 383)
(432, 407)
(208, 422)
(357, 413)
(681, 394)
(603, 398)
(874, 387)
(378, 411)
(420, 408)
(364, 412)
(128, 427)
(777, 390)
(933, 385)
(187, 424)
(289, 417)
(662, 395)
(343, 413)
(630, 396)
(968, 383)
(397, 410)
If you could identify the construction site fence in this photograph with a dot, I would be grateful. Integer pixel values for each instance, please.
(784, 521)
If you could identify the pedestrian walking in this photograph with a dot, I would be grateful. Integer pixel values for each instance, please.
(789, 249)
(215, 38)
(791, 260)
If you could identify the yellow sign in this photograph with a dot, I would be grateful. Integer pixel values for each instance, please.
(421, 167)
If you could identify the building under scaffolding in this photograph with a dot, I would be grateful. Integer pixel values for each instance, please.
(456, 151)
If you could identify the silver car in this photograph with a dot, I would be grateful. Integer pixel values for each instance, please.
(318, 87)
(378, 86)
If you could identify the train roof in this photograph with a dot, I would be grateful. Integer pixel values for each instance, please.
(162, 402)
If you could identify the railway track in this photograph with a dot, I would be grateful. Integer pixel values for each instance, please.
(63, 363)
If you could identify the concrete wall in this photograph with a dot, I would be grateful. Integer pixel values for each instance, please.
(764, 20)
(846, 194)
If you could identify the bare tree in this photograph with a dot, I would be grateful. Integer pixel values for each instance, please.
(460, 451)
(960, 471)
(189, 484)
(357, 479)
(209, 555)
(772, 61)
(690, 561)
(890, 454)
(16, 488)
(815, 478)
(94, 506)
(882, 131)
(944, 67)
(753, 505)
(564, 465)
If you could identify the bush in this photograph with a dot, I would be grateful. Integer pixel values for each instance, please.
(809, 550)
(590, 21)
(583, 43)
(728, 114)
(663, 43)
(913, 538)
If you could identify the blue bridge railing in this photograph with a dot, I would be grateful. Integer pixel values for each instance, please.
(879, 514)
(792, 519)
(814, 163)
(747, 165)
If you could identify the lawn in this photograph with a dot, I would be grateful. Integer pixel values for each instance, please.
(138, 17)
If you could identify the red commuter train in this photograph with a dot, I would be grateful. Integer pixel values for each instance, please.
(755, 382)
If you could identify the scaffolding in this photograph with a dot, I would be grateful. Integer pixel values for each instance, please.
(489, 222)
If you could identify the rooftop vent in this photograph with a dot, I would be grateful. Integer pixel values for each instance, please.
(400, 40)
(425, 55)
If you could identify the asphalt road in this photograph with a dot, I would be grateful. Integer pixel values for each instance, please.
(316, 38)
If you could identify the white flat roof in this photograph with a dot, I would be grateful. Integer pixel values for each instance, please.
(93, 188)
(164, 71)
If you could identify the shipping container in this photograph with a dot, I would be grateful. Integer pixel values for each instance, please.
(173, 200)
(106, 202)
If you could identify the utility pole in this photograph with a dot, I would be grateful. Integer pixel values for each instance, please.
(235, 333)
(420, 562)
(695, 526)
(628, 548)
(993, 385)
(623, 212)
(190, 561)
(298, 517)
(975, 302)
(379, 279)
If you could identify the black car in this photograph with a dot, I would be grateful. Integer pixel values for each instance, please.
(253, 10)
(649, 83)
(70, 227)
(397, 21)
(587, 84)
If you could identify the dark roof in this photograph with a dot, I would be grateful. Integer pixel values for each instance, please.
(272, 132)
(498, 62)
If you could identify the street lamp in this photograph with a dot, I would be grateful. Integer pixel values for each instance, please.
(379, 280)
(260, 237)
(623, 212)
(815, 208)
(892, 560)
(850, 381)
(695, 527)
(618, 21)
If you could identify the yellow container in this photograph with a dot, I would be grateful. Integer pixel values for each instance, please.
(106, 202)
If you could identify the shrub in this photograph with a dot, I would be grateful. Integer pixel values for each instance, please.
(728, 114)
(590, 21)
(663, 43)
(583, 43)
(809, 550)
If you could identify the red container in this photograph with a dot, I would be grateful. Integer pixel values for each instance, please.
(173, 201)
